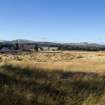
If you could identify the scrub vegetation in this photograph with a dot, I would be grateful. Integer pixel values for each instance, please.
(52, 79)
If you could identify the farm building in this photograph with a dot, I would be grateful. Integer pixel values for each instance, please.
(53, 48)
(47, 48)
(4, 50)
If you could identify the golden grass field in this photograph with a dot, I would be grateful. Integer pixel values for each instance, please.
(67, 61)
(45, 78)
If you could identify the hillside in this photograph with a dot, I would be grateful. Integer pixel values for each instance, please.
(61, 46)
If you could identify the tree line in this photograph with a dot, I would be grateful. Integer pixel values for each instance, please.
(61, 47)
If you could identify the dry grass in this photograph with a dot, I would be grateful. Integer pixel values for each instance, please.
(67, 61)
(24, 86)
(66, 78)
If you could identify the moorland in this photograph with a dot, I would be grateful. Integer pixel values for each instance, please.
(52, 78)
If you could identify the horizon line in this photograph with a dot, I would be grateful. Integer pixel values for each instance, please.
(88, 42)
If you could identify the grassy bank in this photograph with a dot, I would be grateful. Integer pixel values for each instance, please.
(24, 86)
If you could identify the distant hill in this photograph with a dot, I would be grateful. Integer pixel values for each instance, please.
(23, 41)
(85, 46)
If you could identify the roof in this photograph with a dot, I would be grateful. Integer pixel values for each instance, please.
(4, 49)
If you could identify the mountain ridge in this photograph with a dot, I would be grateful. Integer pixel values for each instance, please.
(23, 41)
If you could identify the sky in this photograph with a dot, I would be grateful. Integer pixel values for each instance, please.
(53, 20)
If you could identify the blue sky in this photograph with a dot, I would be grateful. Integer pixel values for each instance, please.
(53, 20)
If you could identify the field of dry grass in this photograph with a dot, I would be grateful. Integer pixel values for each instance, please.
(67, 61)
(64, 78)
